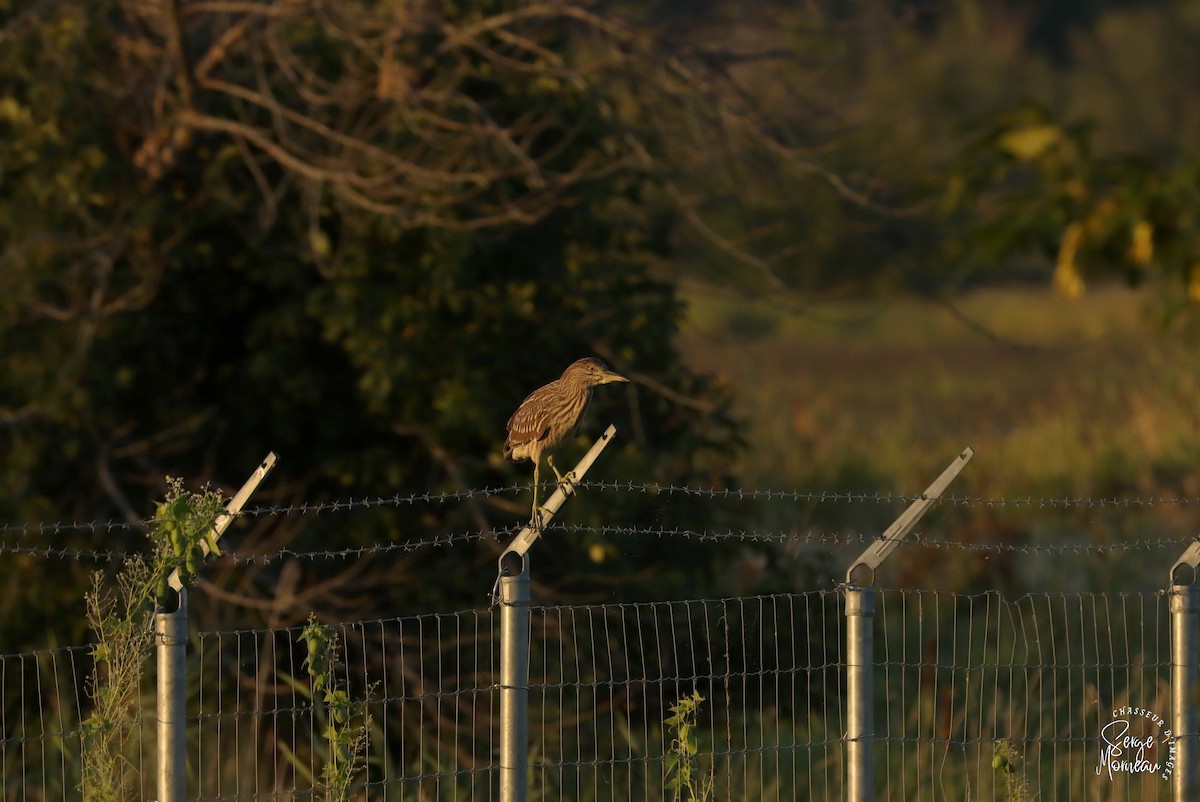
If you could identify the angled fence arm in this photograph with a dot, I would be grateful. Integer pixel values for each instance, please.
(874, 555)
(521, 543)
(232, 509)
(859, 591)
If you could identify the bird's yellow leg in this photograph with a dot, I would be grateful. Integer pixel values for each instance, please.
(567, 478)
(535, 520)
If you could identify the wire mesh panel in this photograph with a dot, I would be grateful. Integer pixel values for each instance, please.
(422, 689)
(42, 708)
(976, 697)
(604, 680)
(37, 730)
(982, 698)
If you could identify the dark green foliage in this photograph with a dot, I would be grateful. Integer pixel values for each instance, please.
(1030, 186)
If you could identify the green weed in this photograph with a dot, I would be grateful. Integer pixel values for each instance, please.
(345, 723)
(1006, 763)
(122, 621)
(686, 779)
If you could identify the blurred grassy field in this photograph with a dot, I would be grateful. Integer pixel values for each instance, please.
(1090, 398)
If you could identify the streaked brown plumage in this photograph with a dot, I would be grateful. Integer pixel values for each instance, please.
(551, 414)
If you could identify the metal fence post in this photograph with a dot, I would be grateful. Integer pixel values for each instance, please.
(860, 629)
(171, 633)
(512, 594)
(860, 684)
(1185, 670)
(514, 683)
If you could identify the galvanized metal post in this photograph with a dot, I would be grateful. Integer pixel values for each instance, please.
(1185, 671)
(512, 594)
(171, 632)
(514, 683)
(860, 684)
(860, 629)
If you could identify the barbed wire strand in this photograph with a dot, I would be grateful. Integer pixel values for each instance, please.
(816, 497)
(785, 539)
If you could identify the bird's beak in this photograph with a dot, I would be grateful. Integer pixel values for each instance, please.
(608, 377)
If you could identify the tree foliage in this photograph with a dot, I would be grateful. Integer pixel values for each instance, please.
(1030, 186)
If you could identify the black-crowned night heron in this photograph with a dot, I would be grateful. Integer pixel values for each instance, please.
(552, 413)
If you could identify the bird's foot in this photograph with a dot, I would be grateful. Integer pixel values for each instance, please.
(567, 478)
(539, 517)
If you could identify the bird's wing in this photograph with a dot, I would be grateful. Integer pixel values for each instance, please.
(529, 423)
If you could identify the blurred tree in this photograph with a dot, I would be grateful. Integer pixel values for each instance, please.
(1029, 186)
(892, 165)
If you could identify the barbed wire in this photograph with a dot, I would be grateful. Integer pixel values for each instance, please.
(77, 555)
(309, 508)
(60, 527)
(885, 498)
(728, 494)
(376, 549)
(785, 539)
(861, 538)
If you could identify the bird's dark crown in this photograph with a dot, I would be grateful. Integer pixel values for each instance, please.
(592, 371)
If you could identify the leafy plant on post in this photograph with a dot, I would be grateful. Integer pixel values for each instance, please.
(122, 620)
